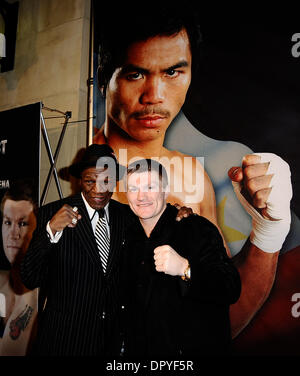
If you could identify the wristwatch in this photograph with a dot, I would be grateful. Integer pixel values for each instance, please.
(187, 273)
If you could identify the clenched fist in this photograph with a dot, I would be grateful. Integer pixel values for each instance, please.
(263, 186)
(66, 216)
(167, 260)
(265, 182)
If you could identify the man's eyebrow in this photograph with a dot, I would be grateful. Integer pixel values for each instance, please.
(6, 217)
(90, 177)
(135, 68)
(22, 218)
(180, 64)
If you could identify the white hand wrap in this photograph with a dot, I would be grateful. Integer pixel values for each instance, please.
(269, 235)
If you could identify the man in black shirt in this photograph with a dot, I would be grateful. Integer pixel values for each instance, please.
(178, 280)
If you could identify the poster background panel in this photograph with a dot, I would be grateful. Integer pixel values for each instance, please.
(20, 148)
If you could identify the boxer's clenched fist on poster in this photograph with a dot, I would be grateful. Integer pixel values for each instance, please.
(263, 186)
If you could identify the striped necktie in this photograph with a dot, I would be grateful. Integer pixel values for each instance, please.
(102, 238)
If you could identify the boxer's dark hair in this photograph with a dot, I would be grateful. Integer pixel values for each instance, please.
(115, 32)
(21, 190)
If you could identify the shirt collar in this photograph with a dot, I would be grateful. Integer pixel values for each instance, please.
(166, 220)
(91, 211)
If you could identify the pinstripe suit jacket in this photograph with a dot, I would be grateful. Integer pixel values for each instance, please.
(79, 317)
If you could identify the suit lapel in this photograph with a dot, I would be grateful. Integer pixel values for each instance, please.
(85, 232)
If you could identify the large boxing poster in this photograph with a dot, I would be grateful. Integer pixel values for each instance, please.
(244, 99)
(19, 196)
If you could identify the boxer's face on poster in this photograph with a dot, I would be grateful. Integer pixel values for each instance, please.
(17, 227)
(147, 92)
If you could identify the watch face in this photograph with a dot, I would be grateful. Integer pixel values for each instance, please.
(187, 274)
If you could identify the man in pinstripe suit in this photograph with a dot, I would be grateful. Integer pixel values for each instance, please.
(63, 260)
